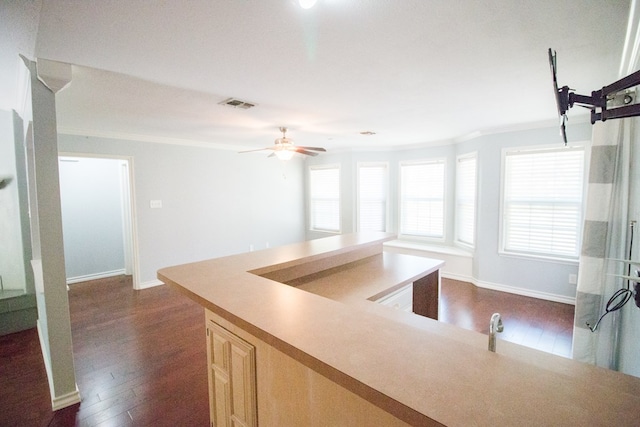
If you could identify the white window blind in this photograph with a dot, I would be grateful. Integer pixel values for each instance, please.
(466, 199)
(324, 203)
(542, 201)
(372, 197)
(422, 199)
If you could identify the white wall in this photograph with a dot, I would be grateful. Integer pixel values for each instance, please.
(214, 202)
(540, 278)
(91, 200)
(12, 261)
(546, 277)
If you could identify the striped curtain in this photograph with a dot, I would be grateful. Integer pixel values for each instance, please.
(604, 241)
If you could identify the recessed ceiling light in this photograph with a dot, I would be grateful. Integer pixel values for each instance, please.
(367, 132)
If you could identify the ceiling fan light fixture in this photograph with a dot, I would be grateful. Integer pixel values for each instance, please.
(284, 148)
(284, 154)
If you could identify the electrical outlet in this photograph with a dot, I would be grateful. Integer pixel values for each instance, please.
(573, 279)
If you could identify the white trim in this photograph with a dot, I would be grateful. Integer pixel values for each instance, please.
(57, 402)
(582, 146)
(440, 249)
(94, 276)
(459, 277)
(150, 284)
(525, 292)
(23, 90)
(132, 207)
(445, 198)
(387, 193)
(328, 166)
(466, 156)
(456, 252)
(66, 400)
(147, 138)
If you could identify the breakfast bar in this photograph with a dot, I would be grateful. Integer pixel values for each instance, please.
(295, 336)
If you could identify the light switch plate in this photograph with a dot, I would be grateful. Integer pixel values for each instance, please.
(155, 204)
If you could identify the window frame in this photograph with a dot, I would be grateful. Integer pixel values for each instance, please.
(456, 235)
(415, 237)
(385, 165)
(582, 146)
(338, 169)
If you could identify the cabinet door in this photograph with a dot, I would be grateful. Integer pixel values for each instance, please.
(232, 378)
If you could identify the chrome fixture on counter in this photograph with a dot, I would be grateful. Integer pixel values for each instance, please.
(494, 326)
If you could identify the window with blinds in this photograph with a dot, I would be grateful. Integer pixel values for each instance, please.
(465, 214)
(542, 201)
(422, 198)
(372, 196)
(324, 198)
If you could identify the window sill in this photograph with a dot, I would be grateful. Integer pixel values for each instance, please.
(541, 258)
(440, 249)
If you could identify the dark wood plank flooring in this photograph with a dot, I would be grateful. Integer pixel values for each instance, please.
(140, 360)
(140, 356)
(532, 322)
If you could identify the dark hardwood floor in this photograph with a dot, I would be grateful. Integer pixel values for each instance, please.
(140, 356)
(532, 322)
(140, 360)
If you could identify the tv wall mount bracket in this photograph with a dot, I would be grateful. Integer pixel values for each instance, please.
(597, 102)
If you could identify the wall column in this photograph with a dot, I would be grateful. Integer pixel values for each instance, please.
(54, 323)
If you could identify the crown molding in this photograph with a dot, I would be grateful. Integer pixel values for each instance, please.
(23, 89)
(146, 138)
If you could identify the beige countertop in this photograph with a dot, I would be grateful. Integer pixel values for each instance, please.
(416, 368)
(368, 279)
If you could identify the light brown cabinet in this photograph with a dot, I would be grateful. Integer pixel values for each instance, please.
(232, 378)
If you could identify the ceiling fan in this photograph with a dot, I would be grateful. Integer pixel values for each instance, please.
(284, 148)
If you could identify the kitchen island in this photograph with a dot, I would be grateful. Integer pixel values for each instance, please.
(295, 337)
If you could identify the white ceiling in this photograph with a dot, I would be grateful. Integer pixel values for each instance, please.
(413, 71)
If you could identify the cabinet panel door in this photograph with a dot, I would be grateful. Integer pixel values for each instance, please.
(232, 378)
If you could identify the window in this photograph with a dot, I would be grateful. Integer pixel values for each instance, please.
(324, 200)
(422, 198)
(466, 199)
(372, 197)
(542, 201)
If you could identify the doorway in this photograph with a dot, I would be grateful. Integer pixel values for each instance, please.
(98, 217)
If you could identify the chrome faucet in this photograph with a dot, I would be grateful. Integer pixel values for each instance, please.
(494, 326)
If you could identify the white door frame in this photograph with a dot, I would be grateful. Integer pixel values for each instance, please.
(129, 225)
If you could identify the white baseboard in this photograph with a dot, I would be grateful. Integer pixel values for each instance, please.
(454, 276)
(149, 284)
(525, 292)
(57, 402)
(65, 400)
(511, 289)
(87, 277)
(504, 288)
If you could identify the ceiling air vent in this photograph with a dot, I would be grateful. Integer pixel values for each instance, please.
(236, 103)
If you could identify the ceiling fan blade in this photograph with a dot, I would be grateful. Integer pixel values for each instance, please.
(257, 149)
(312, 148)
(301, 150)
